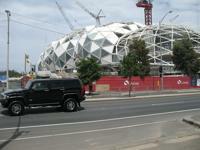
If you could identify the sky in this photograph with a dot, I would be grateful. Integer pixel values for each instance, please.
(36, 23)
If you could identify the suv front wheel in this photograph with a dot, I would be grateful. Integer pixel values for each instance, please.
(70, 105)
(16, 108)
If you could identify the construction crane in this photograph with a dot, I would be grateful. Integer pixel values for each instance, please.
(96, 17)
(65, 17)
(147, 5)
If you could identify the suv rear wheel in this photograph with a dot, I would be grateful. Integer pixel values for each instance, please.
(70, 105)
(16, 108)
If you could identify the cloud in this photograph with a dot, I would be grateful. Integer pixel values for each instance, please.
(182, 5)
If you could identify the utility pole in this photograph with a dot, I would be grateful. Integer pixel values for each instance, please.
(8, 42)
(25, 64)
(161, 64)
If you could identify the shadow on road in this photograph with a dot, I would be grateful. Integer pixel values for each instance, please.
(14, 136)
(41, 110)
(44, 110)
(5, 112)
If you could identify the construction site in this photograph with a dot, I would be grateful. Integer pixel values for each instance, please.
(109, 42)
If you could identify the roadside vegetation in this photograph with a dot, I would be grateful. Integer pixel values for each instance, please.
(12, 73)
(136, 62)
(89, 70)
(185, 58)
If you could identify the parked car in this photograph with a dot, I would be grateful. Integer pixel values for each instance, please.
(68, 93)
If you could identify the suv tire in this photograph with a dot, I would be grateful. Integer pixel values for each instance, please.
(16, 108)
(70, 105)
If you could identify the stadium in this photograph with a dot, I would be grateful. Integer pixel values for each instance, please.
(109, 43)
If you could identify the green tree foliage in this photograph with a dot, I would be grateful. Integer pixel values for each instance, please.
(138, 48)
(136, 63)
(12, 73)
(185, 58)
(88, 71)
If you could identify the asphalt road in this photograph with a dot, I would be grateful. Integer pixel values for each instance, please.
(100, 125)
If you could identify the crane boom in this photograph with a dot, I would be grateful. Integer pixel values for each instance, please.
(85, 9)
(64, 16)
(96, 17)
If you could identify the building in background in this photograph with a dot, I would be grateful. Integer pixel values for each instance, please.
(98, 42)
(109, 43)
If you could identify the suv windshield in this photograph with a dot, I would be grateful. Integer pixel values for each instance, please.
(28, 84)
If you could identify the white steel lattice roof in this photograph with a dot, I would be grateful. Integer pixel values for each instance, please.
(109, 43)
(160, 41)
(97, 42)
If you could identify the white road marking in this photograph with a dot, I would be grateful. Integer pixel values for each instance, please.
(97, 121)
(88, 131)
(171, 103)
(145, 96)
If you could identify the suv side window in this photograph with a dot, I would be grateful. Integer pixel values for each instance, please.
(72, 84)
(56, 85)
(40, 86)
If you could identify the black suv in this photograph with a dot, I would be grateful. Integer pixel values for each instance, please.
(68, 93)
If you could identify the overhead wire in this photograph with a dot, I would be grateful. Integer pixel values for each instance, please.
(41, 28)
(34, 19)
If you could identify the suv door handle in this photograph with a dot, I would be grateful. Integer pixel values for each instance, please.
(46, 90)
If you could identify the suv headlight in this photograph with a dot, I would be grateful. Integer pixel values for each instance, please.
(5, 96)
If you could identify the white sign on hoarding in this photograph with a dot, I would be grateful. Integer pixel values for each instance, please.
(198, 82)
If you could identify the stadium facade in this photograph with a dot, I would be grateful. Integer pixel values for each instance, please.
(109, 43)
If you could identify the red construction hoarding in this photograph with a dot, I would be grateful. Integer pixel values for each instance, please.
(118, 83)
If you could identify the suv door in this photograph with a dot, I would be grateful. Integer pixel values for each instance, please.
(39, 93)
(56, 90)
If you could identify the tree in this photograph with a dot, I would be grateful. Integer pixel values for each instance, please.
(12, 73)
(138, 48)
(88, 71)
(136, 63)
(185, 58)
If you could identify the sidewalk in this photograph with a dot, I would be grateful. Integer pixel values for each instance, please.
(193, 120)
(137, 94)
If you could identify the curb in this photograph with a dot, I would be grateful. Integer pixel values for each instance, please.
(191, 121)
(138, 97)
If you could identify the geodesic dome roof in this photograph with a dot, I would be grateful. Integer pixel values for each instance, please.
(160, 41)
(97, 42)
(109, 43)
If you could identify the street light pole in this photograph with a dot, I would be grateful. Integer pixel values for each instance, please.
(161, 65)
(160, 22)
(8, 42)
(174, 18)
